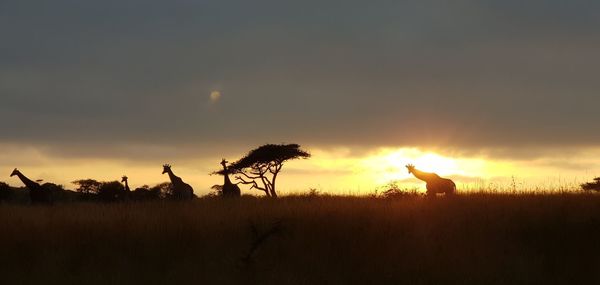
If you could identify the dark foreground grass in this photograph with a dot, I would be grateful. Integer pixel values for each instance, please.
(471, 239)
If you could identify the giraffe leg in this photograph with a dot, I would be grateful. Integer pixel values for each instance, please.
(430, 191)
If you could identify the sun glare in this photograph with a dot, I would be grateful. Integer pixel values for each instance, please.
(437, 163)
(390, 164)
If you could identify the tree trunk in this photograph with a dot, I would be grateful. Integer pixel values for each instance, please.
(273, 193)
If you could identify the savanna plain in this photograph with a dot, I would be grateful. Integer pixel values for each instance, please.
(475, 238)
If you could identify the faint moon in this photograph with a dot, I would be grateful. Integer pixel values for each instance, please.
(215, 96)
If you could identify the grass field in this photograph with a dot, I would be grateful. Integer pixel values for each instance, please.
(467, 239)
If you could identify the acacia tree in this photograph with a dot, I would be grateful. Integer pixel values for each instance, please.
(261, 166)
(87, 186)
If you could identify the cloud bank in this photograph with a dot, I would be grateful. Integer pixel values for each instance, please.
(86, 76)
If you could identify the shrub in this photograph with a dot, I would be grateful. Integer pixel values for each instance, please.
(592, 186)
(5, 192)
(393, 191)
(111, 191)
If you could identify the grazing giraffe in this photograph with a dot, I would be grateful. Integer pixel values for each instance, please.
(435, 184)
(181, 190)
(229, 189)
(37, 193)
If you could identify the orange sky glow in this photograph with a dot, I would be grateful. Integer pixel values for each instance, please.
(330, 170)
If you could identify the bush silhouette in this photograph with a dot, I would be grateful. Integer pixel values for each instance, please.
(217, 191)
(144, 193)
(592, 186)
(91, 189)
(163, 190)
(111, 191)
(393, 191)
(5, 192)
(88, 188)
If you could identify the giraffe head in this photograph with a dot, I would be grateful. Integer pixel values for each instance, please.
(15, 172)
(124, 179)
(166, 168)
(224, 162)
(411, 168)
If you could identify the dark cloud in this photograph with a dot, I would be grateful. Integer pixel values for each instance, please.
(462, 75)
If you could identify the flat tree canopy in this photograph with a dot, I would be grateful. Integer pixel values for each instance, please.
(261, 166)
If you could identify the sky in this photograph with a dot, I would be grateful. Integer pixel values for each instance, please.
(480, 91)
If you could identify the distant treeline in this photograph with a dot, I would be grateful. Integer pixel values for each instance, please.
(91, 191)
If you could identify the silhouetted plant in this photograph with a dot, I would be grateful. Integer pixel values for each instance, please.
(164, 190)
(263, 164)
(91, 189)
(61, 195)
(111, 191)
(313, 192)
(53, 187)
(87, 186)
(592, 186)
(217, 191)
(5, 192)
(144, 193)
(393, 191)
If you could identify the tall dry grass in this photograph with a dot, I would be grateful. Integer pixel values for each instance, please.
(469, 239)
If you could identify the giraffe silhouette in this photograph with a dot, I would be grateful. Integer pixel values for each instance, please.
(125, 180)
(127, 192)
(181, 190)
(39, 194)
(229, 189)
(435, 183)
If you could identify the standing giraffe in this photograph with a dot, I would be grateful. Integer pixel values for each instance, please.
(125, 180)
(37, 193)
(229, 189)
(181, 190)
(435, 184)
(127, 192)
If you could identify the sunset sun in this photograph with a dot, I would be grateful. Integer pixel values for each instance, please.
(389, 164)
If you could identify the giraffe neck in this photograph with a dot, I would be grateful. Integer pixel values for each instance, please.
(425, 176)
(127, 186)
(173, 177)
(28, 182)
(226, 175)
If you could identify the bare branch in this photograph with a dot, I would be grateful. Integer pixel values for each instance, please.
(253, 183)
(248, 176)
(245, 182)
(241, 179)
